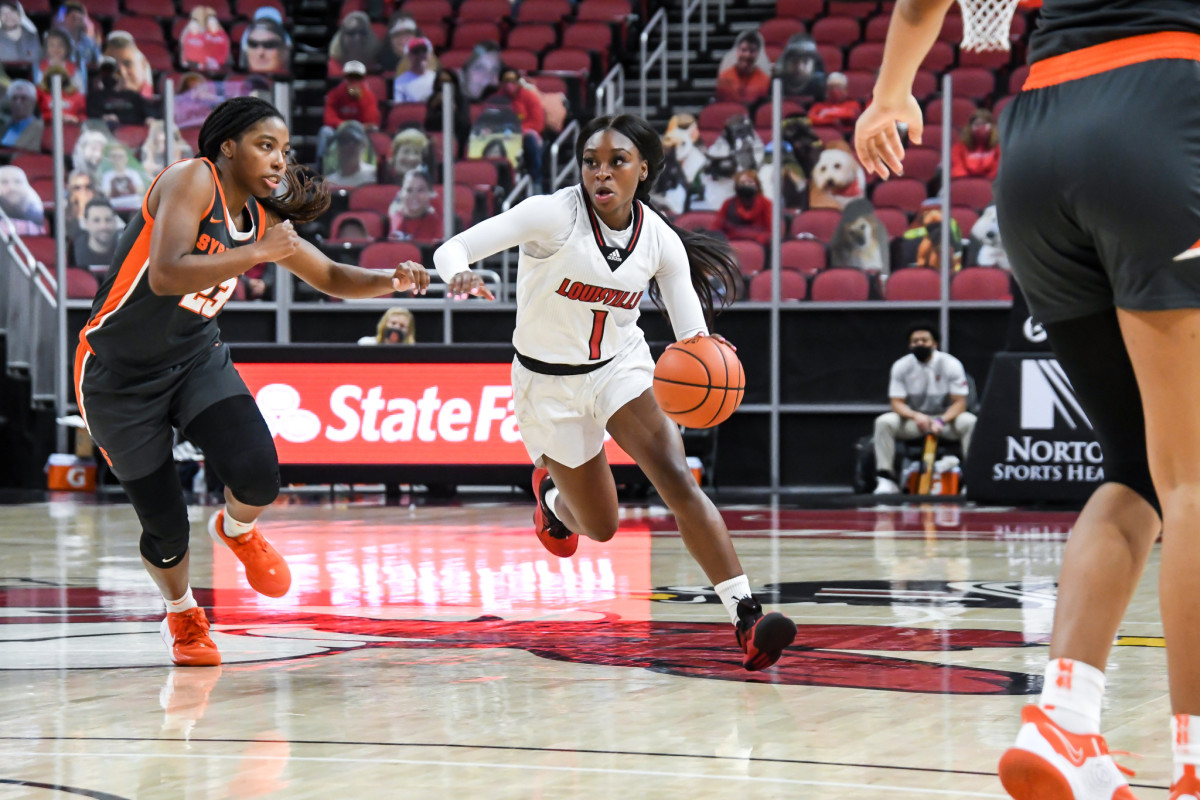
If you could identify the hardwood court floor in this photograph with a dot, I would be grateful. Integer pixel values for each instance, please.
(438, 652)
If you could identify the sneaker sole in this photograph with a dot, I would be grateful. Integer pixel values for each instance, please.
(206, 660)
(563, 548)
(222, 540)
(1028, 776)
(772, 634)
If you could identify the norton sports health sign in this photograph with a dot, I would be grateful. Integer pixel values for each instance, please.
(389, 414)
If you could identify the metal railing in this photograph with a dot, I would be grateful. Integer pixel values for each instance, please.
(685, 51)
(519, 192)
(570, 170)
(610, 93)
(649, 59)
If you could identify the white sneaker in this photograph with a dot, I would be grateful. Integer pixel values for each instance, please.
(886, 486)
(1050, 763)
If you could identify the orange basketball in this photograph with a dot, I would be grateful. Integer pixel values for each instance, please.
(699, 382)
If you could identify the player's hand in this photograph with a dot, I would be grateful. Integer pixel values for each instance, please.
(936, 427)
(723, 340)
(468, 283)
(924, 423)
(411, 275)
(279, 242)
(876, 139)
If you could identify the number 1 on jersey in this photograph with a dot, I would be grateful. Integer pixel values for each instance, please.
(598, 319)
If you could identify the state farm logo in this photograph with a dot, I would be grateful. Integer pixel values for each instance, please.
(280, 407)
(367, 415)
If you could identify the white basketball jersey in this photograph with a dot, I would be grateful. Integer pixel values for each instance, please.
(580, 305)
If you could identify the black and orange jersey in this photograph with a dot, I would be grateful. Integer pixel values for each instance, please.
(132, 330)
(1068, 25)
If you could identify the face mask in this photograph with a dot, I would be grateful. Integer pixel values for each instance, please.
(746, 192)
(981, 136)
(922, 352)
(394, 335)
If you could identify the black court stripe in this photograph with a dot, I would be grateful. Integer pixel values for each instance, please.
(520, 749)
(54, 787)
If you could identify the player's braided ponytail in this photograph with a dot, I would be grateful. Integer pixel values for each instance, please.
(304, 199)
(715, 271)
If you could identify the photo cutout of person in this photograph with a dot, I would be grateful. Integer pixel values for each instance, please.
(204, 45)
(21, 203)
(266, 45)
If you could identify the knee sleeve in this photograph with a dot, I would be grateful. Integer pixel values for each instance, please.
(238, 447)
(158, 501)
(1093, 353)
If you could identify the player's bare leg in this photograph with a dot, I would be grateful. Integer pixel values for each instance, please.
(587, 499)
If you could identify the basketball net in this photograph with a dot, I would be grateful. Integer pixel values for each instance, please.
(987, 24)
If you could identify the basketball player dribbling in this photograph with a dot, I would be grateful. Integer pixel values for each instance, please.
(150, 357)
(587, 255)
(1099, 204)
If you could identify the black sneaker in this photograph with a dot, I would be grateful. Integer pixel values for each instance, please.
(762, 636)
(551, 532)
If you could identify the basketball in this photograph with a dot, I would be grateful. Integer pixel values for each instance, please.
(699, 382)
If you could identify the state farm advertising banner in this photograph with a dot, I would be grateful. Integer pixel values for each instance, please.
(413, 413)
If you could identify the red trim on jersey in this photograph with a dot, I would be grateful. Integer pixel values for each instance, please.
(1099, 58)
(598, 233)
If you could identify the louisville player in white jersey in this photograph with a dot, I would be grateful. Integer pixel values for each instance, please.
(1099, 206)
(588, 254)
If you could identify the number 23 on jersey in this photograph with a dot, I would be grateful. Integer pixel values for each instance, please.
(211, 300)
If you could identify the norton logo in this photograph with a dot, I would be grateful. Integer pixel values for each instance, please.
(280, 407)
(1046, 394)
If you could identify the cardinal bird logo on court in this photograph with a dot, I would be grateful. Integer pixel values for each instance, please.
(56, 627)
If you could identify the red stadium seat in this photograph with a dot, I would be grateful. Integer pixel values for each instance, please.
(81, 284)
(906, 194)
(492, 11)
(973, 82)
(382, 144)
(43, 248)
(837, 31)
(595, 36)
(603, 11)
(1017, 79)
(866, 56)
(468, 34)
(840, 284)
(832, 56)
(799, 9)
(877, 28)
(246, 8)
(564, 60)
(150, 8)
(373, 223)
(914, 283)
(132, 136)
(713, 117)
(143, 29)
(852, 8)
(386, 255)
(537, 38)
(103, 9)
(780, 29)
(405, 114)
(961, 110)
(981, 283)
(860, 84)
(762, 117)
(1000, 105)
(973, 193)
(427, 13)
(158, 55)
(34, 165)
(989, 59)
(454, 59)
(895, 221)
(819, 222)
(806, 256)
(478, 173)
(925, 84)
(792, 286)
(697, 221)
(923, 162)
(220, 8)
(373, 197)
(940, 57)
(521, 60)
(191, 135)
(551, 11)
(750, 256)
(965, 217)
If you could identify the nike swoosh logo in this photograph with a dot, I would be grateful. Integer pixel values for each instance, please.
(1073, 754)
(169, 560)
(215, 221)
(1191, 252)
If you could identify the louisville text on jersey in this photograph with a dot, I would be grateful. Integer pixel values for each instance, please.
(589, 293)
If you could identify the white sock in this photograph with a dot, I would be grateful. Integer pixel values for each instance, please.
(550, 497)
(729, 591)
(185, 603)
(232, 528)
(1185, 743)
(1072, 694)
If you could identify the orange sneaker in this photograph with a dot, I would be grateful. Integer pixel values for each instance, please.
(1050, 763)
(1187, 787)
(186, 634)
(553, 535)
(266, 570)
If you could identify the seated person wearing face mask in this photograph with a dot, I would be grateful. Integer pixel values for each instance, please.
(746, 215)
(928, 390)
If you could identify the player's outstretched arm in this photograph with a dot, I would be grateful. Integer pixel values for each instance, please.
(344, 280)
(914, 28)
(179, 201)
